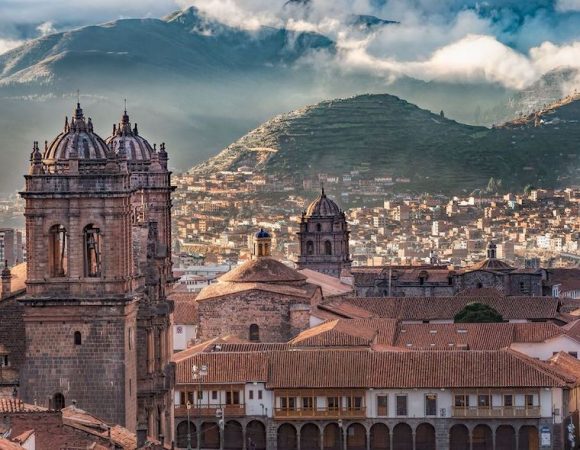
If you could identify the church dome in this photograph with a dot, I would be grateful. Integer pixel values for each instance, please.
(262, 234)
(323, 207)
(263, 270)
(77, 140)
(136, 147)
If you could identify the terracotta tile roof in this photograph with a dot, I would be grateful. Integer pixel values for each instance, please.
(482, 292)
(220, 289)
(445, 308)
(206, 346)
(494, 265)
(569, 364)
(185, 312)
(348, 333)
(364, 369)
(263, 270)
(12, 405)
(225, 367)
(331, 286)
(5, 444)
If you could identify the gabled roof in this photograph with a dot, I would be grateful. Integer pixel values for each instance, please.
(348, 333)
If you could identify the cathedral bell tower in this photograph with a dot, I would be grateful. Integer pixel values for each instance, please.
(324, 237)
(79, 309)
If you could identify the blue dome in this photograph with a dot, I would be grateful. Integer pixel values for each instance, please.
(262, 234)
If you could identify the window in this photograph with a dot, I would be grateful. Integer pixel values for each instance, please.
(200, 395)
(529, 401)
(57, 251)
(574, 354)
(401, 403)
(318, 227)
(354, 403)
(254, 333)
(310, 248)
(130, 387)
(214, 395)
(422, 280)
(307, 402)
(260, 395)
(327, 247)
(508, 400)
(288, 403)
(483, 401)
(251, 395)
(232, 398)
(431, 405)
(4, 361)
(479, 285)
(462, 401)
(383, 405)
(78, 338)
(58, 401)
(190, 398)
(92, 241)
(333, 403)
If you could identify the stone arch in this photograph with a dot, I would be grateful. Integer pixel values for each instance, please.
(254, 333)
(181, 434)
(210, 435)
(458, 437)
(309, 437)
(233, 435)
(332, 437)
(505, 437)
(58, 402)
(287, 438)
(327, 248)
(380, 437)
(528, 438)
(256, 435)
(57, 251)
(309, 248)
(402, 437)
(78, 338)
(482, 438)
(356, 437)
(92, 251)
(425, 437)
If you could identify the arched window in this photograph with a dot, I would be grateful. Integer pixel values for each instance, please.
(58, 401)
(92, 242)
(57, 251)
(254, 333)
(327, 247)
(318, 227)
(310, 248)
(78, 338)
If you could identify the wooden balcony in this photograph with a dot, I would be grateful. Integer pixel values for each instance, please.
(318, 413)
(496, 411)
(211, 411)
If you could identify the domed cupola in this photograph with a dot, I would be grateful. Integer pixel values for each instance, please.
(137, 148)
(77, 141)
(323, 207)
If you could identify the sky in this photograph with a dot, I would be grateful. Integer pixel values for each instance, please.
(510, 42)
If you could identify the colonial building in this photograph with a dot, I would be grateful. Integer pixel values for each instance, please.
(260, 300)
(324, 238)
(433, 281)
(96, 318)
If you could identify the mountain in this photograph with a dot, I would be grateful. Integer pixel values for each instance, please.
(382, 135)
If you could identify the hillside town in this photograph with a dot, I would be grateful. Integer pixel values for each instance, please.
(151, 311)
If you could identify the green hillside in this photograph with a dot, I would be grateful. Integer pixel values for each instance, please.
(386, 136)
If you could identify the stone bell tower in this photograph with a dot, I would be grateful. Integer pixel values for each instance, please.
(80, 310)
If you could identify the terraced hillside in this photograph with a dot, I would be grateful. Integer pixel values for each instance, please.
(383, 135)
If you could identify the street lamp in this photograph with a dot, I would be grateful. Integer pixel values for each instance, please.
(197, 373)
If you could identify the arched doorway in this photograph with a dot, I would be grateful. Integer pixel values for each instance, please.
(505, 437)
(210, 435)
(402, 437)
(310, 437)
(380, 437)
(233, 436)
(256, 435)
(425, 437)
(332, 439)
(356, 437)
(528, 438)
(482, 438)
(458, 437)
(181, 435)
(286, 437)
(58, 401)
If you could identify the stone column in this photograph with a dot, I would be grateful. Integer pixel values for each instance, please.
(368, 439)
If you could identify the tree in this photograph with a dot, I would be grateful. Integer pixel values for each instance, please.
(478, 313)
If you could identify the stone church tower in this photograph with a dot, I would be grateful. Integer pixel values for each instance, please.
(97, 322)
(324, 237)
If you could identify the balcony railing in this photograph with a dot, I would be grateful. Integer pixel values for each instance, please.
(313, 413)
(211, 410)
(496, 411)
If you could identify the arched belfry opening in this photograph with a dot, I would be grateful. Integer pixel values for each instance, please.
(92, 255)
(58, 251)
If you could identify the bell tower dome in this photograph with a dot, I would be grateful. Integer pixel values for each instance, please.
(324, 237)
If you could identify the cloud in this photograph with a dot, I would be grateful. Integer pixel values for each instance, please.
(568, 5)
(8, 44)
(46, 28)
